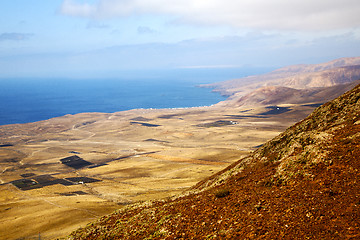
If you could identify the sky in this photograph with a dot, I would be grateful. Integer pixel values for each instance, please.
(94, 38)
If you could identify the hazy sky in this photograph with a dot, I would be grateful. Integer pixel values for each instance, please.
(104, 37)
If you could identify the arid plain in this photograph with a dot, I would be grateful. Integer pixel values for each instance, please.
(59, 174)
(135, 155)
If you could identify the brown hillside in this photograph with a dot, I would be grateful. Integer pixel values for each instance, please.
(301, 185)
(341, 62)
(326, 78)
(340, 71)
(275, 95)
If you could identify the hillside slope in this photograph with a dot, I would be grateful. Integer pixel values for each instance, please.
(275, 95)
(302, 184)
(303, 76)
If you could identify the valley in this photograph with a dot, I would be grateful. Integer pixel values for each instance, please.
(60, 174)
(91, 169)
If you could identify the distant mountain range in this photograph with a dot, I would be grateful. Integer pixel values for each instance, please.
(303, 184)
(293, 84)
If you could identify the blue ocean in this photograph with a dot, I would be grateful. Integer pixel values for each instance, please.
(24, 100)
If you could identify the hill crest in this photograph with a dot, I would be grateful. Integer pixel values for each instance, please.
(336, 72)
(276, 95)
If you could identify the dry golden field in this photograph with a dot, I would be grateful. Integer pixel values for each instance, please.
(122, 158)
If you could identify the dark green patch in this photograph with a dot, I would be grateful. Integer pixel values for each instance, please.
(82, 180)
(219, 123)
(75, 193)
(220, 193)
(313, 105)
(155, 140)
(140, 119)
(26, 184)
(274, 110)
(145, 124)
(6, 145)
(75, 162)
(26, 175)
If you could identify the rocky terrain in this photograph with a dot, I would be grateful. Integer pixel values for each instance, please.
(303, 184)
(68, 171)
(336, 72)
(275, 95)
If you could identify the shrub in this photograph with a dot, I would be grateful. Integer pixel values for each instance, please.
(220, 193)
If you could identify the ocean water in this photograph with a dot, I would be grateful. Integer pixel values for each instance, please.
(32, 99)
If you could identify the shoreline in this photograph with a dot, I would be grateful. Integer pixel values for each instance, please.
(44, 106)
(134, 109)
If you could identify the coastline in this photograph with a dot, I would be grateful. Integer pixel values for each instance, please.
(41, 105)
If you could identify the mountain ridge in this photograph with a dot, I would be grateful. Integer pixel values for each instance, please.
(323, 119)
(301, 184)
(275, 95)
(303, 76)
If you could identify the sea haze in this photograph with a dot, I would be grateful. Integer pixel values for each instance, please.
(30, 100)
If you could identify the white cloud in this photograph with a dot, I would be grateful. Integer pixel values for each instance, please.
(73, 8)
(260, 14)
